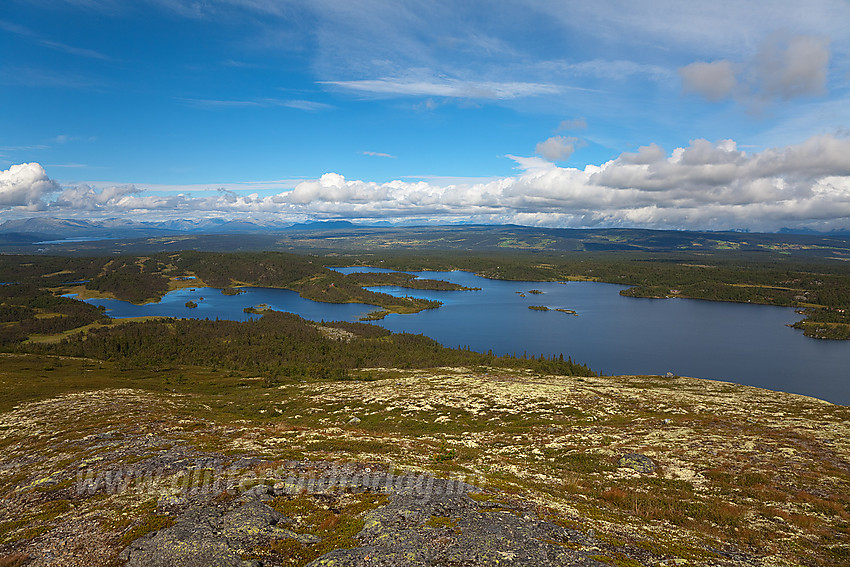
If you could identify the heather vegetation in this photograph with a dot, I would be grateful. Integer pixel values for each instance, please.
(741, 476)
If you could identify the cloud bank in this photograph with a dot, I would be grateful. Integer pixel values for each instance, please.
(713, 186)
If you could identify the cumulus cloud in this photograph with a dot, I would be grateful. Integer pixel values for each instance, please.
(785, 67)
(87, 198)
(25, 185)
(704, 185)
(644, 155)
(557, 148)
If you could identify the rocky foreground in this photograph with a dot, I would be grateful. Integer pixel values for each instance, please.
(450, 467)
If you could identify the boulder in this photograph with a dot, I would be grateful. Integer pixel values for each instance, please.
(638, 462)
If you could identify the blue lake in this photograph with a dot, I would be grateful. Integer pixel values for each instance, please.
(747, 344)
(213, 304)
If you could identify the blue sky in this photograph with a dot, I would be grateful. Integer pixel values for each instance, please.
(663, 114)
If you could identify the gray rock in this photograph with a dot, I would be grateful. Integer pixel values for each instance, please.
(205, 535)
(456, 530)
(638, 462)
(428, 522)
(253, 518)
(170, 549)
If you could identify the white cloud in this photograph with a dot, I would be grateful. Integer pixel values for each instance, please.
(309, 105)
(644, 155)
(25, 184)
(297, 104)
(557, 148)
(701, 186)
(87, 198)
(451, 88)
(378, 154)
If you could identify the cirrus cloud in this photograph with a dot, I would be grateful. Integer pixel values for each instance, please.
(450, 88)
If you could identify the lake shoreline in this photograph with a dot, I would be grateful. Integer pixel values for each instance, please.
(459, 323)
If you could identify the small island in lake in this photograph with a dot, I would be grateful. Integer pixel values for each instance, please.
(376, 315)
(259, 309)
(544, 308)
(191, 304)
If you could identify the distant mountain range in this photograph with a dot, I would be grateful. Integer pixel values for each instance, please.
(108, 236)
(49, 228)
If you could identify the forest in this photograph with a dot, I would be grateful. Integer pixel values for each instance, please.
(281, 346)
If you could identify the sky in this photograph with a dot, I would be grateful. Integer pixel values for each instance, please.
(722, 115)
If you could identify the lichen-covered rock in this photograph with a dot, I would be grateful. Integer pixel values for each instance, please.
(253, 518)
(173, 549)
(638, 462)
(208, 536)
(457, 530)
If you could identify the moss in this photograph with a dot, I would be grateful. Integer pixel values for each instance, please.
(673, 548)
(31, 532)
(9, 527)
(619, 559)
(21, 529)
(51, 510)
(583, 463)
(336, 530)
(61, 485)
(152, 523)
(443, 522)
(488, 497)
